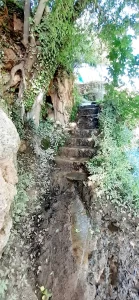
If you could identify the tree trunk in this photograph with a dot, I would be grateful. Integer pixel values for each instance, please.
(40, 11)
(34, 114)
(26, 22)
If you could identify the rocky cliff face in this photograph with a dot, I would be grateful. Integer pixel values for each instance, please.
(9, 143)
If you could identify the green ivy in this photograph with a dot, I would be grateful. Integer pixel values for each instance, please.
(126, 104)
(62, 45)
(110, 167)
(52, 135)
(77, 101)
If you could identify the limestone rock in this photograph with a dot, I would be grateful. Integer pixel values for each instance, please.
(9, 144)
(10, 58)
(16, 80)
(62, 98)
(18, 24)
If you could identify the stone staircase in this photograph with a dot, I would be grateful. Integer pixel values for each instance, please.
(79, 147)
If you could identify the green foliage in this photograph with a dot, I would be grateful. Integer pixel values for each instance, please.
(29, 98)
(125, 103)
(62, 44)
(46, 295)
(65, 41)
(51, 134)
(114, 20)
(16, 118)
(40, 83)
(2, 4)
(44, 110)
(120, 56)
(110, 167)
(77, 101)
(25, 181)
(59, 30)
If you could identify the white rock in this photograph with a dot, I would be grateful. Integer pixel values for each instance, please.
(9, 144)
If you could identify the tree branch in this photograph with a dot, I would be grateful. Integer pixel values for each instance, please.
(34, 114)
(40, 11)
(13, 72)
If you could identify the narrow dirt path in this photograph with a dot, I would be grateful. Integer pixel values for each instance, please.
(64, 257)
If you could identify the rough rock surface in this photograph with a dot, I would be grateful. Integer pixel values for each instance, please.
(10, 58)
(92, 90)
(62, 98)
(9, 143)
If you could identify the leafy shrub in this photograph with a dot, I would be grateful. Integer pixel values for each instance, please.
(25, 181)
(77, 101)
(16, 118)
(126, 104)
(111, 168)
(51, 133)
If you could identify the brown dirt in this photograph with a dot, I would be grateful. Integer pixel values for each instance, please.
(46, 254)
(68, 242)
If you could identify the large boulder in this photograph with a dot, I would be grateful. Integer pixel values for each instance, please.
(9, 144)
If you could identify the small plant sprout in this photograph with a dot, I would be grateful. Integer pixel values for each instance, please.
(46, 295)
(77, 230)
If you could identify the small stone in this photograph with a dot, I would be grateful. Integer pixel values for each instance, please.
(39, 269)
(52, 273)
(23, 146)
(132, 244)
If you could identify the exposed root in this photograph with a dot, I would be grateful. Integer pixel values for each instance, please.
(13, 72)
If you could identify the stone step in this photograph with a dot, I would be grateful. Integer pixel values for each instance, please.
(88, 111)
(77, 141)
(76, 176)
(92, 105)
(85, 132)
(71, 163)
(86, 118)
(79, 151)
(88, 122)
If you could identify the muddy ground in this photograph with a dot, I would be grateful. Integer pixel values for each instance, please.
(68, 242)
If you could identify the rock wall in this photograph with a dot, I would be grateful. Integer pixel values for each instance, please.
(62, 97)
(9, 144)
